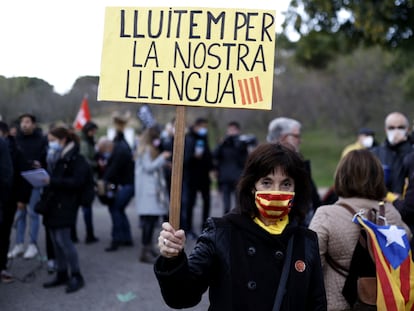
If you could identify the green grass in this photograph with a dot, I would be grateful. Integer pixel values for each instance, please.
(323, 149)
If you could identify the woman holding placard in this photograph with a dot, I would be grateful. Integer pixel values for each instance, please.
(257, 257)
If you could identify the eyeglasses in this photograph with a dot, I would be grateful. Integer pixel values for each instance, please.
(400, 127)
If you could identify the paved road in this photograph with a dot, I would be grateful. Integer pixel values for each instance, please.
(114, 281)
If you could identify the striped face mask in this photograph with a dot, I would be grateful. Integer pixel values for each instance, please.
(274, 204)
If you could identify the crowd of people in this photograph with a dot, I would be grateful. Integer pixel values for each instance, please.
(245, 258)
(273, 214)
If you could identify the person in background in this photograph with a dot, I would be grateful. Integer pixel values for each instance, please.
(365, 140)
(13, 191)
(87, 149)
(167, 144)
(392, 152)
(151, 196)
(256, 257)
(405, 205)
(229, 159)
(6, 176)
(104, 148)
(33, 144)
(198, 163)
(119, 172)
(287, 131)
(14, 128)
(67, 170)
(359, 183)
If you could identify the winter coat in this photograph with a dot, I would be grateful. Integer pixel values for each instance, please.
(120, 167)
(151, 197)
(241, 265)
(6, 175)
(65, 188)
(21, 189)
(393, 156)
(406, 205)
(196, 170)
(34, 146)
(337, 236)
(229, 158)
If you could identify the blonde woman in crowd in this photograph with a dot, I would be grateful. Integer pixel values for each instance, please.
(151, 196)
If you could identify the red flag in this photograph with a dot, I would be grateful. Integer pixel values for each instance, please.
(83, 115)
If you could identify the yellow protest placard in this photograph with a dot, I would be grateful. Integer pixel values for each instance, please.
(188, 56)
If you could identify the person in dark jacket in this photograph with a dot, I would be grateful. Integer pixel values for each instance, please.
(198, 163)
(229, 158)
(67, 170)
(120, 174)
(392, 152)
(167, 144)
(6, 174)
(6, 177)
(87, 149)
(33, 143)
(256, 257)
(405, 205)
(17, 193)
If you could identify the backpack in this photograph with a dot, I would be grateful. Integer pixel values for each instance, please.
(360, 287)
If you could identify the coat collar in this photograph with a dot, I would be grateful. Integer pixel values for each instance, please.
(246, 223)
(69, 150)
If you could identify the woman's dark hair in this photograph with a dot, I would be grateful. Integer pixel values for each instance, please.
(264, 159)
(61, 132)
(360, 174)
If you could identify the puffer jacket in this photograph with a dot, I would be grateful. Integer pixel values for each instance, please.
(338, 235)
(241, 264)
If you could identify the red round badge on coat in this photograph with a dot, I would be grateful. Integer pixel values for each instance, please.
(300, 266)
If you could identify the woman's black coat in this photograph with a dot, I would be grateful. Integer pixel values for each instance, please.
(64, 191)
(241, 264)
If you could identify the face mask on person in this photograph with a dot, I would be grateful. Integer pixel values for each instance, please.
(396, 136)
(274, 204)
(367, 141)
(202, 131)
(54, 145)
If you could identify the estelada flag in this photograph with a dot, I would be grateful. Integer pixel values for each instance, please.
(83, 115)
(394, 266)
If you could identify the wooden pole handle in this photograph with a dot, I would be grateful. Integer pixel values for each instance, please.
(177, 167)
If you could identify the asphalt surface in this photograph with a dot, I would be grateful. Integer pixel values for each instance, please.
(114, 281)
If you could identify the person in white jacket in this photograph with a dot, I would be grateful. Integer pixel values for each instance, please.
(151, 196)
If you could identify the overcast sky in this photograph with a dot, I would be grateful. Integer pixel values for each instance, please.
(59, 41)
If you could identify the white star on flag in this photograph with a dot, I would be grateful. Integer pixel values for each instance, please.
(393, 235)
